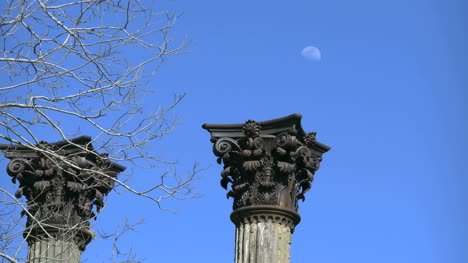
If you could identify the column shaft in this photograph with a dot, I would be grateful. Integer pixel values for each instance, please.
(262, 242)
(54, 251)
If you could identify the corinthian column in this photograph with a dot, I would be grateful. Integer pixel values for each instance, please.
(64, 184)
(270, 166)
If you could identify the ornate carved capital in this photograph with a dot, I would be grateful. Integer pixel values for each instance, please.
(270, 163)
(64, 184)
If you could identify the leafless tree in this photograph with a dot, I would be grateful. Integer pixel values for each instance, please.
(72, 67)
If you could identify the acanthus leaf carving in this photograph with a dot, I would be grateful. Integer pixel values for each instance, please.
(61, 187)
(267, 165)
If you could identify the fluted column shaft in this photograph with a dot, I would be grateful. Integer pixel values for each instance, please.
(263, 234)
(54, 251)
(56, 244)
(263, 241)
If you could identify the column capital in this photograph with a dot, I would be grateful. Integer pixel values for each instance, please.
(64, 184)
(268, 164)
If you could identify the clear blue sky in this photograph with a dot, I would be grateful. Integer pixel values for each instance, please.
(389, 96)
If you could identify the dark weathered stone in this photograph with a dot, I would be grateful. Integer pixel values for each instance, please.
(267, 163)
(270, 166)
(64, 184)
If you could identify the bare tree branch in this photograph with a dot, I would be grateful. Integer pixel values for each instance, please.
(68, 67)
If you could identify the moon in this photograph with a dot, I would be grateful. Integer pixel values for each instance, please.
(311, 53)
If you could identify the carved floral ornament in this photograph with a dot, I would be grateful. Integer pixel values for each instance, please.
(63, 183)
(267, 163)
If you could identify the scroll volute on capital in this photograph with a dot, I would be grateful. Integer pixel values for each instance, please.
(267, 163)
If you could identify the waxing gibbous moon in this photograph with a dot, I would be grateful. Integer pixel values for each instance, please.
(311, 53)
